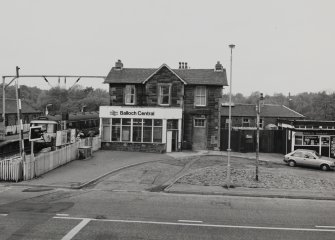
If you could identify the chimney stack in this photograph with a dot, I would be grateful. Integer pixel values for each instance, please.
(118, 65)
(218, 67)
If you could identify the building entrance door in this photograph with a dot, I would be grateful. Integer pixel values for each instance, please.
(172, 141)
(199, 138)
(325, 146)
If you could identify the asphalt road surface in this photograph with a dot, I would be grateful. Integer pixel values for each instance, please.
(102, 214)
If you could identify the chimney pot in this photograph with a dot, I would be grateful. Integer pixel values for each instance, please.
(185, 65)
(179, 65)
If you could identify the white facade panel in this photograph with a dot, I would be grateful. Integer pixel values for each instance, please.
(140, 112)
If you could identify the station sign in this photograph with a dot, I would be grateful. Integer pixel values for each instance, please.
(140, 112)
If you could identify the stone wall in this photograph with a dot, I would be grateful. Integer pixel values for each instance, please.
(134, 147)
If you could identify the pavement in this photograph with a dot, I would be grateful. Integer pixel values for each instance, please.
(81, 173)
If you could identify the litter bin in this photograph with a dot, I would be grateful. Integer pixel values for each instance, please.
(84, 152)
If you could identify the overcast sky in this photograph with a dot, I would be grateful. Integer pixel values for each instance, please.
(281, 46)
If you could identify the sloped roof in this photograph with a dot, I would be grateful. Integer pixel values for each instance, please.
(267, 110)
(190, 76)
(12, 108)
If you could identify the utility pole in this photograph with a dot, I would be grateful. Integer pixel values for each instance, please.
(19, 113)
(258, 112)
(231, 46)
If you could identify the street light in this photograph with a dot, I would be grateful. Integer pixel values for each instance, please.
(46, 108)
(258, 112)
(231, 46)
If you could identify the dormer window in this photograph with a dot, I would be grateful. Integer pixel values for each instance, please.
(164, 92)
(130, 95)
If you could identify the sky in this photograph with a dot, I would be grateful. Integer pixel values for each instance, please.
(281, 46)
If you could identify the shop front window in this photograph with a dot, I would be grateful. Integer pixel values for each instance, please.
(126, 125)
(137, 130)
(158, 126)
(116, 129)
(147, 130)
(298, 140)
(311, 140)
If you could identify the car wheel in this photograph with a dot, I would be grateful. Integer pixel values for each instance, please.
(324, 167)
(291, 163)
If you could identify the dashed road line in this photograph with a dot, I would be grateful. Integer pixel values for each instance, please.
(62, 214)
(3, 214)
(87, 220)
(325, 227)
(190, 221)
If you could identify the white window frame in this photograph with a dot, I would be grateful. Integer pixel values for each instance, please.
(199, 126)
(261, 122)
(200, 93)
(128, 94)
(160, 96)
(243, 122)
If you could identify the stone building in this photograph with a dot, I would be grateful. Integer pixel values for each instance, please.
(162, 109)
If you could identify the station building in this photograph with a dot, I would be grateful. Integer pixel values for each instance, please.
(162, 109)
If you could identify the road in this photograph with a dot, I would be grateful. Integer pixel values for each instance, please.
(109, 214)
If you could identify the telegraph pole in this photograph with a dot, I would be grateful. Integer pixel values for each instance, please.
(231, 46)
(258, 112)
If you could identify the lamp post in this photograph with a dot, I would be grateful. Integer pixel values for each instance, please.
(46, 108)
(258, 112)
(231, 46)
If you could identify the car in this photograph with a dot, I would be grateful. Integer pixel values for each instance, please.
(310, 158)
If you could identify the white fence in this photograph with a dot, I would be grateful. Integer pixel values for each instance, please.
(14, 129)
(15, 169)
(11, 169)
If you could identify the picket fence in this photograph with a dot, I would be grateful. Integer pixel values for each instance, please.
(11, 169)
(14, 169)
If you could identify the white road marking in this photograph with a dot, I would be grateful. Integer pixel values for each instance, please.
(325, 227)
(62, 214)
(190, 221)
(3, 214)
(201, 225)
(76, 229)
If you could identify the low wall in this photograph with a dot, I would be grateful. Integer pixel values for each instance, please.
(134, 147)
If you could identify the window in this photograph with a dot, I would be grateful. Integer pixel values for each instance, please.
(261, 123)
(200, 96)
(147, 130)
(164, 94)
(137, 130)
(130, 95)
(298, 154)
(298, 140)
(158, 125)
(116, 129)
(245, 122)
(199, 122)
(126, 124)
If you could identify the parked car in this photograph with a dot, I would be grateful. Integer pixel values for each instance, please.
(305, 157)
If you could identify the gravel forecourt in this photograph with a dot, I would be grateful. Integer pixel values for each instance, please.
(270, 176)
